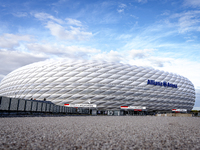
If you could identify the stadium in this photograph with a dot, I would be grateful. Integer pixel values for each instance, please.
(100, 84)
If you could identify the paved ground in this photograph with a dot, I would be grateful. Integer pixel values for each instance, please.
(97, 132)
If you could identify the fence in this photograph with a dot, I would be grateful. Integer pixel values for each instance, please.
(17, 105)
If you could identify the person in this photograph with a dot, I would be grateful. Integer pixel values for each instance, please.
(44, 99)
(31, 98)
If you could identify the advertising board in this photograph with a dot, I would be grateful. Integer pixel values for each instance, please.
(133, 107)
(80, 105)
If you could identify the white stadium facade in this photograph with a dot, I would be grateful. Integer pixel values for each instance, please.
(109, 86)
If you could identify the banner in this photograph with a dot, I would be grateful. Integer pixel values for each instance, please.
(133, 107)
(80, 105)
(179, 110)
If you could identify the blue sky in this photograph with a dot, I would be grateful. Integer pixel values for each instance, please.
(163, 34)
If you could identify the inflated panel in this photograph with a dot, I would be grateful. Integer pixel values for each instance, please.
(109, 85)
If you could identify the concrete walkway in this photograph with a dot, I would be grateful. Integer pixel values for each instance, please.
(100, 132)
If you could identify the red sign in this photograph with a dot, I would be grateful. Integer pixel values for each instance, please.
(124, 106)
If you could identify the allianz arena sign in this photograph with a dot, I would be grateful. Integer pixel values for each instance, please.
(107, 85)
(165, 84)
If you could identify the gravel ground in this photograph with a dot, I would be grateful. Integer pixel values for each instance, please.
(100, 132)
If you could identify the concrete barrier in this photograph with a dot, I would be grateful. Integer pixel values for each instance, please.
(44, 105)
(39, 106)
(60, 109)
(47, 107)
(21, 106)
(54, 109)
(5, 103)
(14, 104)
(57, 108)
(51, 108)
(34, 106)
(64, 109)
(28, 105)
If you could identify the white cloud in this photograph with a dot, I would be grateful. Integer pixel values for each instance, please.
(187, 21)
(122, 5)
(134, 16)
(140, 53)
(159, 61)
(20, 14)
(124, 37)
(187, 68)
(11, 60)
(120, 10)
(192, 3)
(148, 60)
(165, 13)
(148, 39)
(141, 1)
(111, 56)
(73, 22)
(47, 17)
(68, 33)
(58, 50)
(72, 29)
(134, 57)
(9, 41)
(189, 40)
(151, 37)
